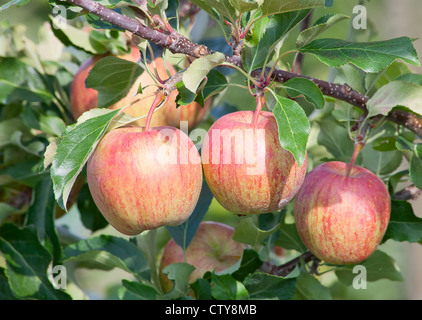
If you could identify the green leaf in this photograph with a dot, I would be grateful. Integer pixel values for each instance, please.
(267, 32)
(309, 288)
(108, 252)
(270, 7)
(5, 292)
(396, 93)
(19, 81)
(404, 225)
(369, 56)
(91, 217)
(304, 87)
(380, 163)
(378, 266)
(288, 237)
(113, 78)
(133, 290)
(42, 214)
(184, 233)
(336, 139)
(247, 232)
(199, 68)
(27, 264)
(72, 36)
(245, 5)
(77, 145)
(223, 7)
(293, 127)
(179, 274)
(307, 35)
(374, 81)
(202, 289)
(266, 286)
(416, 170)
(216, 83)
(225, 287)
(249, 263)
(414, 78)
(73, 152)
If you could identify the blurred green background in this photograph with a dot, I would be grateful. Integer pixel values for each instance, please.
(390, 19)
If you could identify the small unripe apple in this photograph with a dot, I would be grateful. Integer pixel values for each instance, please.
(83, 99)
(342, 219)
(211, 249)
(245, 166)
(141, 180)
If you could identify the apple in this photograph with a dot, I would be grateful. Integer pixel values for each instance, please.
(245, 166)
(141, 180)
(342, 218)
(211, 249)
(83, 99)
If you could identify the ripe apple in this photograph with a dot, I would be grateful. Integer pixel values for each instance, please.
(245, 166)
(212, 248)
(342, 219)
(83, 99)
(141, 180)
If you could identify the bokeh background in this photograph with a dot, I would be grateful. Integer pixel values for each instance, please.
(389, 19)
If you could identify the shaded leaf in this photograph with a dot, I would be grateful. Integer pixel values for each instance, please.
(113, 78)
(396, 93)
(27, 264)
(369, 56)
(320, 26)
(304, 87)
(266, 286)
(404, 225)
(378, 266)
(199, 68)
(108, 252)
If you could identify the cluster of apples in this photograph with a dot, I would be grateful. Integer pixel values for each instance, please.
(142, 179)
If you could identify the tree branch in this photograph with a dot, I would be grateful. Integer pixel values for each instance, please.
(346, 93)
(175, 42)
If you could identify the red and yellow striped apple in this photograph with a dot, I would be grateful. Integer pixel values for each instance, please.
(141, 180)
(212, 248)
(245, 166)
(342, 219)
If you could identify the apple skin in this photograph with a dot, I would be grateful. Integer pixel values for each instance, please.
(212, 248)
(138, 184)
(83, 99)
(245, 186)
(341, 219)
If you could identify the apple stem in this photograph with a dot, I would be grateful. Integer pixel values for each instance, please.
(358, 147)
(260, 101)
(159, 98)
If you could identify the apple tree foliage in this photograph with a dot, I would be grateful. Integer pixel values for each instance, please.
(43, 150)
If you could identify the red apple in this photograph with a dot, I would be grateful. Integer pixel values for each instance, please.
(245, 166)
(141, 180)
(212, 248)
(342, 219)
(83, 99)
